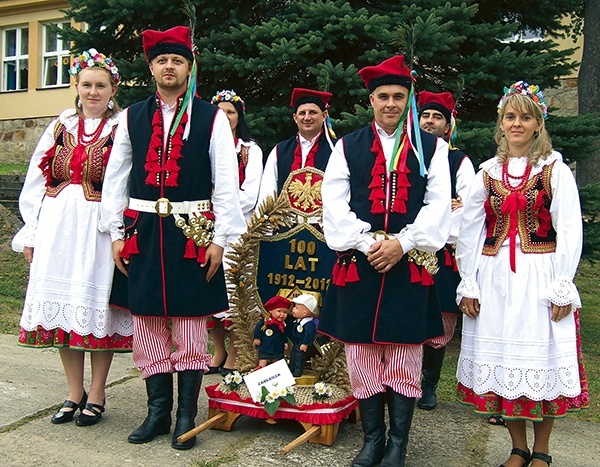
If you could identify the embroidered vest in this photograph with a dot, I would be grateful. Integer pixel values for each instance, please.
(360, 159)
(55, 164)
(285, 157)
(534, 224)
(195, 170)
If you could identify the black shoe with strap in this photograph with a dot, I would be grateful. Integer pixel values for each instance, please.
(65, 416)
(88, 420)
(542, 456)
(524, 454)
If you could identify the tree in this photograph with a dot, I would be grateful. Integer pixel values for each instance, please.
(263, 49)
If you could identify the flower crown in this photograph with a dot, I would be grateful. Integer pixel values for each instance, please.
(90, 58)
(530, 90)
(227, 96)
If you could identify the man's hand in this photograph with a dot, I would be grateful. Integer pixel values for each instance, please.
(121, 263)
(456, 203)
(383, 255)
(470, 307)
(214, 257)
(28, 253)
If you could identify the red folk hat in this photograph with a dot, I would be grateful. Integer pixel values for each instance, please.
(390, 71)
(441, 101)
(176, 40)
(277, 302)
(308, 96)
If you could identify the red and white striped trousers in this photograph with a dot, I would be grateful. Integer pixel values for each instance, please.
(374, 368)
(166, 345)
(449, 321)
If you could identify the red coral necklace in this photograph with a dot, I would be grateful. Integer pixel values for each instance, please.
(523, 179)
(89, 138)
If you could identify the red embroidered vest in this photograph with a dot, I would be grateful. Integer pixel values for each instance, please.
(56, 164)
(534, 224)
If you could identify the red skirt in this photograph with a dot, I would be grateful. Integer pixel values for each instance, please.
(43, 338)
(524, 408)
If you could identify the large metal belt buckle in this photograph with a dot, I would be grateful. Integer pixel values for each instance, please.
(163, 207)
(426, 259)
(380, 235)
(199, 228)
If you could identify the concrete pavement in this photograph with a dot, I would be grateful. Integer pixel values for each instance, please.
(32, 387)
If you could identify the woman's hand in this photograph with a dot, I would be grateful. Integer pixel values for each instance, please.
(28, 253)
(559, 312)
(470, 307)
(121, 263)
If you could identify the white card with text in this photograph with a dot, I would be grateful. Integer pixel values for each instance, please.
(275, 375)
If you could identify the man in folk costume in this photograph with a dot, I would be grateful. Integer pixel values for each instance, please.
(386, 205)
(310, 147)
(436, 116)
(171, 206)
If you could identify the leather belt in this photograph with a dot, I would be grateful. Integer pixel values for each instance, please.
(163, 207)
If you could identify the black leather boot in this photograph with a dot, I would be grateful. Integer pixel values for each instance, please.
(373, 425)
(188, 389)
(401, 409)
(432, 367)
(160, 403)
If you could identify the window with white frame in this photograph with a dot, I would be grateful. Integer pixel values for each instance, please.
(15, 58)
(56, 58)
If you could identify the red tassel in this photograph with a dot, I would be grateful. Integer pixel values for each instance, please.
(190, 249)
(171, 180)
(377, 207)
(427, 279)
(126, 250)
(352, 273)
(447, 257)
(415, 277)
(336, 273)
(399, 206)
(133, 244)
(342, 275)
(201, 255)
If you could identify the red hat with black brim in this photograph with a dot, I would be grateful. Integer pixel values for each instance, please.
(441, 101)
(176, 40)
(308, 96)
(390, 71)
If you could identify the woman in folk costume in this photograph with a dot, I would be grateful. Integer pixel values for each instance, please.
(518, 250)
(249, 157)
(71, 268)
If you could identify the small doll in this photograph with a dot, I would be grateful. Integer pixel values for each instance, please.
(269, 335)
(302, 331)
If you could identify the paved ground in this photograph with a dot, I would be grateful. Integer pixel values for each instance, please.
(32, 387)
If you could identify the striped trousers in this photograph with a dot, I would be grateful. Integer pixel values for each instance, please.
(167, 345)
(374, 368)
(449, 321)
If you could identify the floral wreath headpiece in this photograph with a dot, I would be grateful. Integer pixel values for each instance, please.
(91, 58)
(227, 96)
(530, 90)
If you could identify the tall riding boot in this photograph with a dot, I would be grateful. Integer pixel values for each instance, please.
(372, 417)
(188, 389)
(432, 367)
(401, 409)
(160, 403)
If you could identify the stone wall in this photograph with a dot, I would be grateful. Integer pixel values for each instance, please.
(18, 138)
(562, 101)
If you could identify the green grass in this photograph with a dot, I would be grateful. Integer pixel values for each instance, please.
(20, 168)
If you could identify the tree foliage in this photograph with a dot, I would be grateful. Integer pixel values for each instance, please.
(265, 48)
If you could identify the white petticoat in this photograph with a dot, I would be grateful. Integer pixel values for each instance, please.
(71, 273)
(512, 348)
